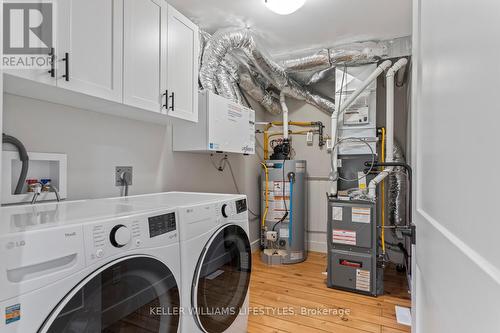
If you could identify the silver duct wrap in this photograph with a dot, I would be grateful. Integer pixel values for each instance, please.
(316, 61)
(258, 92)
(397, 189)
(224, 43)
(349, 54)
(227, 77)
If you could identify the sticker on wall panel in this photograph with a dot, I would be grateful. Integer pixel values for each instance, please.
(280, 189)
(361, 214)
(300, 167)
(347, 237)
(284, 233)
(276, 215)
(361, 180)
(337, 213)
(280, 205)
(12, 313)
(297, 255)
(363, 279)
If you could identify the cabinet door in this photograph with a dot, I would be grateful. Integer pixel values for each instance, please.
(145, 54)
(183, 49)
(90, 48)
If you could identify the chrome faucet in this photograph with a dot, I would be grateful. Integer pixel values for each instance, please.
(38, 191)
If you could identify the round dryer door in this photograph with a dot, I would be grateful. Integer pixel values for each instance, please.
(221, 279)
(134, 294)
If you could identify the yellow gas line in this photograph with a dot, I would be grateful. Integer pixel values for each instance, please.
(382, 189)
(266, 195)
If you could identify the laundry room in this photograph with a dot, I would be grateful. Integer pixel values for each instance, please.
(248, 166)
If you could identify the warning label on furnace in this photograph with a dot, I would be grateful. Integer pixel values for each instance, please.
(337, 213)
(347, 237)
(363, 279)
(361, 214)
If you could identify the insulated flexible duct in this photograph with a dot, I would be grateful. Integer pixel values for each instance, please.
(258, 92)
(225, 42)
(349, 54)
(397, 189)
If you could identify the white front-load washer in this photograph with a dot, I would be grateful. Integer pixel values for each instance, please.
(215, 258)
(216, 263)
(89, 266)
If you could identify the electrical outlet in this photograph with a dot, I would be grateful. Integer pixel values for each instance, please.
(119, 170)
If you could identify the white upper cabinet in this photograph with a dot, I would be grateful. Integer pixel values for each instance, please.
(145, 54)
(183, 49)
(133, 55)
(90, 47)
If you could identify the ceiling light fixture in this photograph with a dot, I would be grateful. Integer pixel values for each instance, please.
(284, 7)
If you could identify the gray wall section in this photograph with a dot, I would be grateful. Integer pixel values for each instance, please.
(95, 143)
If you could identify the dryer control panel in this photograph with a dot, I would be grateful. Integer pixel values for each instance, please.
(116, 236)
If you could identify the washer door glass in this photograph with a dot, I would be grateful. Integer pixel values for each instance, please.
(138, 294)
(222, 278)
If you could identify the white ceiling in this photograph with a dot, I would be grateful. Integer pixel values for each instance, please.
(318, 23)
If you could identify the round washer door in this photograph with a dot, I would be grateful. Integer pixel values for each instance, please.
(221, 279)
(134, 294)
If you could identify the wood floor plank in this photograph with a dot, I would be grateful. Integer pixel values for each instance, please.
(303, 286)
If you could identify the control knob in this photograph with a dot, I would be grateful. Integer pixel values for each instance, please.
(120, 235)
(224, 210)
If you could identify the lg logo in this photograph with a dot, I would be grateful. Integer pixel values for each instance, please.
(11, 245)
(27, 27)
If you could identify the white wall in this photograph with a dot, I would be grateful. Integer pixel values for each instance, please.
(457, 156)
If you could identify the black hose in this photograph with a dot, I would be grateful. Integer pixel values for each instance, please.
(23, 156)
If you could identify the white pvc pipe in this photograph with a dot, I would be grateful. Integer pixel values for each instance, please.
(372, 187)
(339, 110)
(285, 115)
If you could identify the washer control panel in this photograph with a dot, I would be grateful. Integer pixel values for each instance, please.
(116, 236)
(232, 209)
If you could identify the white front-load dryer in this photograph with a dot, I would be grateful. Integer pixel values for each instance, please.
(87, 267)
(216, 263)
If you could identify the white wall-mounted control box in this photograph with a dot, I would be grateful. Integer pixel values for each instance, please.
(223, 126)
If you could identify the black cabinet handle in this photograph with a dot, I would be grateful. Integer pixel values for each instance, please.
(52, 55)
(166, 99)
(172, 107)
(66, 60)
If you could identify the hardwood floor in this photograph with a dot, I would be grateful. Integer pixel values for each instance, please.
(294, 298)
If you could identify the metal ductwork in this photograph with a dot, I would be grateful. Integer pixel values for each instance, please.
(231, 61)
(258, 92)
(397, 189)
(224, 43)
(349, 54)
